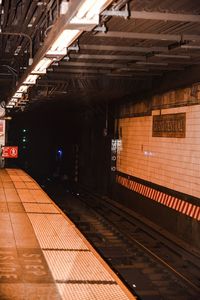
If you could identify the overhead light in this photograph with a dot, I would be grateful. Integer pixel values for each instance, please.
(17, 95)
(13, 100)
(65, 39)
(22, 89)
(89, 12)
(96, 8)
(76, 20)
(31, 79)
(42, 66)
(90, 8)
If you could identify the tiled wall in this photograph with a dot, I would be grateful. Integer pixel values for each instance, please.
(170, 162)
(2, 132)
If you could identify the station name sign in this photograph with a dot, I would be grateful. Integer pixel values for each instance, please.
(169, 125)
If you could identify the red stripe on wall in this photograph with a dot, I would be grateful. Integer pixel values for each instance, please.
(157, 195)
(167, 200)
(192, 211)
(132, 185)
(163, 198)
(179, 204)
(196, 212)
(151, 194)
(139, 188)
(160, 197)
(146, 191)
(189, 209)
(142, 189)
(171, 202)
(136, 187)
(135, 184)
(185, 208)
(175, 203)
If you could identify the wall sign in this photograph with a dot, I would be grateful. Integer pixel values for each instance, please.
(169, 125)
(10, 152)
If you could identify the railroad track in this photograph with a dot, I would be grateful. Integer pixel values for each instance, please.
(151, 266)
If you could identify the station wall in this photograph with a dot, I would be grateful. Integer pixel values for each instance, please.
(163, 168)
(166, 161)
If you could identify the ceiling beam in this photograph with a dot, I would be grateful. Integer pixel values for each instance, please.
(157, 16)
(105, 72)
(75, 70)
(94, 65)
(95, 74)
(131, 66)
(123, 48)
(173, 56)
(65, 65)
(66, 77)
(107, 57)
(164, 16)
(83, 70)
(149, 36)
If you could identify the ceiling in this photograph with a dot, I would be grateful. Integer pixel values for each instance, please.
(137, 45)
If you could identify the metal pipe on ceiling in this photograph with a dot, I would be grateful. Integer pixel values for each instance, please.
(24, 35)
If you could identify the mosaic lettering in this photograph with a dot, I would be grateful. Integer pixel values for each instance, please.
(170, 125)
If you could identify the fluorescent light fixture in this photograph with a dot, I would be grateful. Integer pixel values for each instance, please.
(22, 89)
(65, 39)
(90, 8)
(31, 79)
(76, 20)
(85, 7)
(42, 66)
(14, 100)
(11, 103)
(89, 12)
(96, 8)
(17, 95)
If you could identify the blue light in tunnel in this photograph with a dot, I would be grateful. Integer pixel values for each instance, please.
(59, 153)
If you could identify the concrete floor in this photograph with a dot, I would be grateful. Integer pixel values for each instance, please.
(42, 254)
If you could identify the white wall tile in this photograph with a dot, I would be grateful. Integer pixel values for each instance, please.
(170, 162)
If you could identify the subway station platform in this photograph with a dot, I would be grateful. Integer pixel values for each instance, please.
(42, 254)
